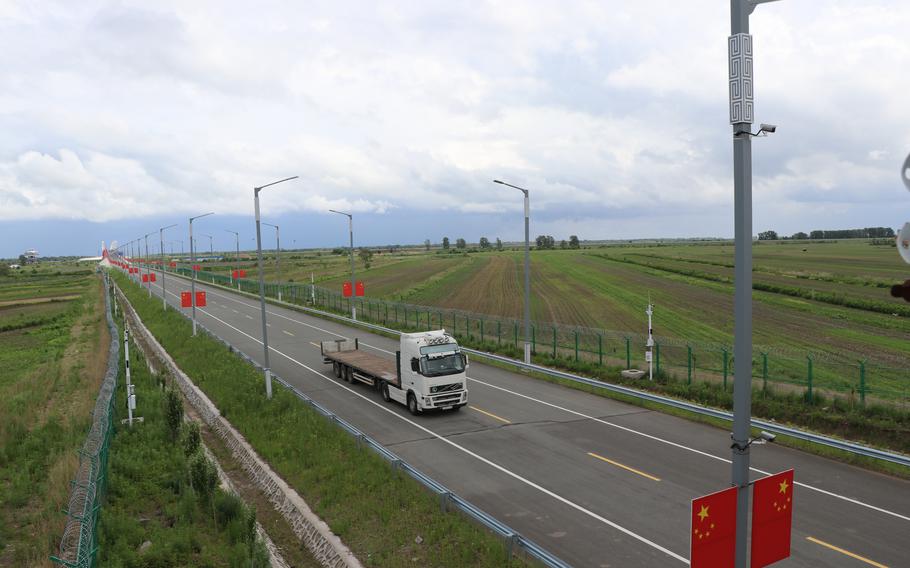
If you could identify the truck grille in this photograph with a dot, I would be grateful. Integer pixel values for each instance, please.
(447, 388)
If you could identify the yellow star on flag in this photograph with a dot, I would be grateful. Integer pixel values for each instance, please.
(783, 486)
(703, 514)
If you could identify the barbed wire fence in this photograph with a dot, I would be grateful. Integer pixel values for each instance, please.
(884, 380)
(79, 545)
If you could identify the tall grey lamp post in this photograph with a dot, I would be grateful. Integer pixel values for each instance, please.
(211, 244)
(163, 270)
(265, 335)
(527, 268)
(277, 256)
(237, 259)
(353, 281)
(193, 266)
(148, 270)
(741, 112)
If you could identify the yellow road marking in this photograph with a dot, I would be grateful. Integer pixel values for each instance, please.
(490, 414)
(288, 332)
(845, 552)
(625, 467)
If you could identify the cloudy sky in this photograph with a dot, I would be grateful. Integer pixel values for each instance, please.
(119, 117)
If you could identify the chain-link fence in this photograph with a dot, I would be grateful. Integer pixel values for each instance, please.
(673, 359)
(78, 546)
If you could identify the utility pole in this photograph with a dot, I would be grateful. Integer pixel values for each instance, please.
(353, 280)
(741, 117)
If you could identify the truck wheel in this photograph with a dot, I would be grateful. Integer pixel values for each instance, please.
(384, 391)
(336, 369)
(412, 404)
(349, 374)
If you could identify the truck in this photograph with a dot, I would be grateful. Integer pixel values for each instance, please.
(428, 371)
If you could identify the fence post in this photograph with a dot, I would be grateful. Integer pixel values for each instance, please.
(689, 364)
(533, 339)
(726, 356)
(481, 330)
(628, 353)
(809, 377)
(515, 326)
(657, 356)
(498, 332)
(554, 342)
(862, 382)
(576, 345)
(764, 372)
(405, 317)
(467, 321)
(600, 349)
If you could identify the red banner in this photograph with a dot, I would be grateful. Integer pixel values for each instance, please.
(153, 277)
(196, 267)
(200, 299)
(242, 273)
(713, 534)
(173, 264)
(358, 288)
(145, 278)
(235, 274)
(772, 518)
(186, 300)
(346, 289)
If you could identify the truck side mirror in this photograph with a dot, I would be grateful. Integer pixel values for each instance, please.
(415, 365)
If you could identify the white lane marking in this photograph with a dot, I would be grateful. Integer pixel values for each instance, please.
(492, 464)
(624, 428)
(235, 311)
(288, 332)
(248, 316)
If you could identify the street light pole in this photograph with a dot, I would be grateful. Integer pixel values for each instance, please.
(265, 335)
(237, 259)
(277, 256)
(148, 272)
(163, 290)
(741, 116)
(193, 266)
(527, 268)
(353, 280)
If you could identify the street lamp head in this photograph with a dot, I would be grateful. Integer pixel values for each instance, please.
(200, 216)
(342, 213)
(767, 128)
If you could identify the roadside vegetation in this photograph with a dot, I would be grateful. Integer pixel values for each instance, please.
(164, 506)
(52, 329)
(384, 516)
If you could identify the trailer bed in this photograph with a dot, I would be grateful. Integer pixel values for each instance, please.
(366, 362)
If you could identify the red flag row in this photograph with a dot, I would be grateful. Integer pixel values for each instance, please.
(713, 524)
(186, 299)
(358, 289)
(238, 274)
(147, 277)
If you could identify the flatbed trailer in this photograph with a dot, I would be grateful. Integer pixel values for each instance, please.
(434, 378)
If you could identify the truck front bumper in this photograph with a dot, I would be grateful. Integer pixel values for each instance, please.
(446, 399)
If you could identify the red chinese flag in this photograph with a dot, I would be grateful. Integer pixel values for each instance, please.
(145, 278)
(200, 299)
(358, 288)
(713, 534)
(186, 300)
(772, 518)
(153, 277)
(235, 274)
(346, 289)
(242, 273)
(173, 265)
(196, 267)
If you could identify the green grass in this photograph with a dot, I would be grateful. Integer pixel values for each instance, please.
(376, 511)
(150, 496)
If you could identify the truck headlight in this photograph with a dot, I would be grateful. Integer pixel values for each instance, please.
(434, 389)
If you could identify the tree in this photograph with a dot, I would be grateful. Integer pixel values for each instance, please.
(445, 243)
(366, 255)
(426, 244)
(767, 236)
(173, 412)
(545, 242)
(816, 234)
(799, 236)
(461, 244)
(573, 242)
(22, 260)
(498, 243)
(4, 269)
(484, 243)
(191, 438)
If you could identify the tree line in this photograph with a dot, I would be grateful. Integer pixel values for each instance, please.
(541, 242)
(866, 233)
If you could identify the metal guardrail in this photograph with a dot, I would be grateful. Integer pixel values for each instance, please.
(447, 497)
(78, 545)
(843, 445)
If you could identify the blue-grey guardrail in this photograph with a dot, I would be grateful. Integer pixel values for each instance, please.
(447, 498)
(843, 445)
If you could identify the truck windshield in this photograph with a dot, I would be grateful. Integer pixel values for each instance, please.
(439, 366)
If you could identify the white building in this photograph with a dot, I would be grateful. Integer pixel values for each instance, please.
(31, 256)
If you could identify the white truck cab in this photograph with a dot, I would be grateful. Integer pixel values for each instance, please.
(431, 368)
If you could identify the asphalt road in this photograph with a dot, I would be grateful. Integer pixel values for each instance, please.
(596, 482)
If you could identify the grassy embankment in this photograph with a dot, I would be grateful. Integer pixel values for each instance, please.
(52, 328)
(163, 507)
(378, 513)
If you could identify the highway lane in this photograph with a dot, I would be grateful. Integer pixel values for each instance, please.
(548, 441)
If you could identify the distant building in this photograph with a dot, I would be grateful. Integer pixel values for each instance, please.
(31, 256)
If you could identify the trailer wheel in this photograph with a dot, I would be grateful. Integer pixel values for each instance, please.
(412, 404)
(349, 374)
(336, 369)
(384, 391)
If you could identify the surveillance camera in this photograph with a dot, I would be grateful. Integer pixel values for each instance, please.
(769, 128)
(767, 436)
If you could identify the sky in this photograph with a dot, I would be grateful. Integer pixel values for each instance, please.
(117, 118)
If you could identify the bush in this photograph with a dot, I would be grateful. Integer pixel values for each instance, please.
(173, 412)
